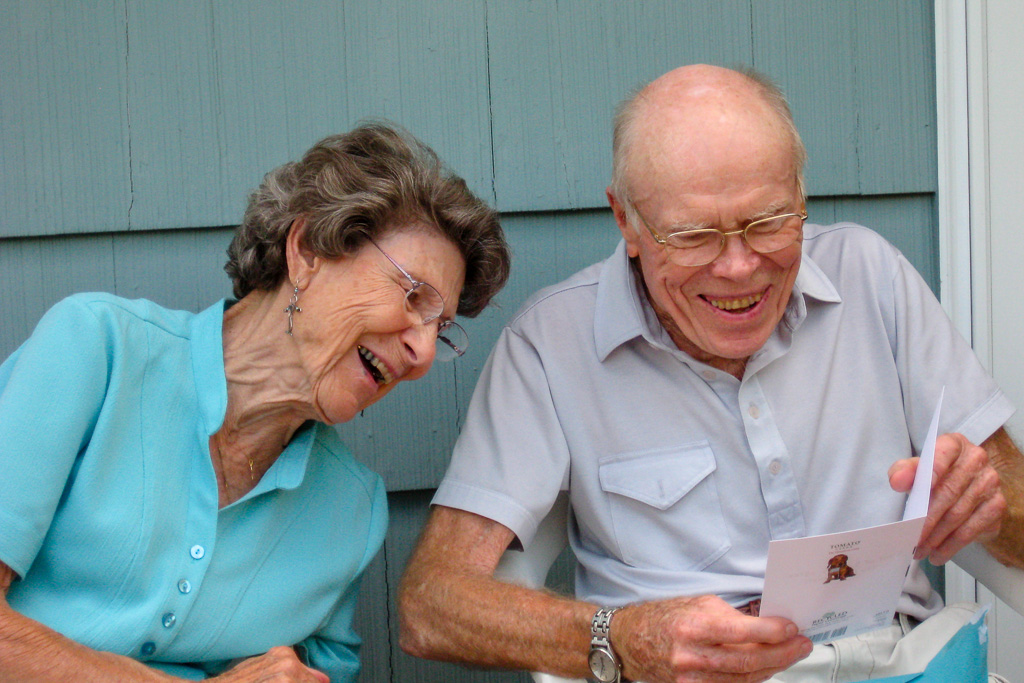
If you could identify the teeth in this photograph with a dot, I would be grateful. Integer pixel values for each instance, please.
(377, 364)
(735, 304)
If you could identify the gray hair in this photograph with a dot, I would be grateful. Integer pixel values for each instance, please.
(624, 134)
(357, 186)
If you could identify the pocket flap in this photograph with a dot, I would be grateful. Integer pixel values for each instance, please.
(658, 478)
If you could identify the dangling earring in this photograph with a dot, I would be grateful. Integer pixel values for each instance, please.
(292, 308)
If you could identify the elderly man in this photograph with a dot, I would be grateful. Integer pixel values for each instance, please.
(728, 377)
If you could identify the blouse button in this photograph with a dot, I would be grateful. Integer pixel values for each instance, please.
(184, 586)
(197, 552)
(169, 619)
(148, 648)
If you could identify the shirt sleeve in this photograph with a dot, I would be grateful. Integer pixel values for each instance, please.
(511, 458)
(930, 355)
(51, 391)
(334, 649)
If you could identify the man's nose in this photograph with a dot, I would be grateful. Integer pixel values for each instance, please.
(737, 260)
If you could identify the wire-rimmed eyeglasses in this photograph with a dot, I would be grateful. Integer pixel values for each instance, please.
(701, 246)
(425, 301)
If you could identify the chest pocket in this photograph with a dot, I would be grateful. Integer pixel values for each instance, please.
(664, 507)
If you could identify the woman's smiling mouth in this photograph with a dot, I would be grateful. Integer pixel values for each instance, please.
(376, 367)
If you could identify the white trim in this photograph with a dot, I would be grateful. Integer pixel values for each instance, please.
(980, 192)
(954, 197)
(954, 200)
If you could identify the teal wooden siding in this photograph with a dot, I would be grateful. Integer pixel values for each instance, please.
(132, 131)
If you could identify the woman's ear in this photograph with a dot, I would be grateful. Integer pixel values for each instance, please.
(302, 262)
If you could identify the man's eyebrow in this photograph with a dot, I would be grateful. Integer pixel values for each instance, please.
(672, 228)
(773, 209)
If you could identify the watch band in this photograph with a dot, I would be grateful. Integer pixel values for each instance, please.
(604, 664)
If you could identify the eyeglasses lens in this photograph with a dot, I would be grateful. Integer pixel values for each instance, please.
(773, 234)
(425, 301)
(452, 341)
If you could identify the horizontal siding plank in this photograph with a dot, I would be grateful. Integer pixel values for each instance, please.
(896, 80)
(558, 70)
(233, 91)
(36, 273)
(816, 69)
(861, 87)
(182, 269)
(63, 118)
(162, 116)
(910, 222)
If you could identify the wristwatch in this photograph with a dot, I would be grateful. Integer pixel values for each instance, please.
(603, 662)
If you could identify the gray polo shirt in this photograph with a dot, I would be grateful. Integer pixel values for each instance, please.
(679, 474)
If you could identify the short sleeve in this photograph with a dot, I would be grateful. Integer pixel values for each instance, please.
(511, 458)
(931, 354)
(51, 391)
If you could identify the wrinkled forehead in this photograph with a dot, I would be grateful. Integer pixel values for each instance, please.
(701, 139)
(739, 168)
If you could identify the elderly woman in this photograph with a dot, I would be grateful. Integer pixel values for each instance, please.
(174, 503)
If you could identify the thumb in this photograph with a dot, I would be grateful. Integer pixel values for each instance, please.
(901, 474)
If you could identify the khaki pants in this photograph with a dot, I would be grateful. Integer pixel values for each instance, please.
(885, 653)
(897, 652)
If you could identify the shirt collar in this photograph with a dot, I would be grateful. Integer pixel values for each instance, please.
(622, 311)
(208, 366)
(618, 312)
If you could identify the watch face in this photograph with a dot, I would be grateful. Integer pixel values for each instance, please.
(602, 665)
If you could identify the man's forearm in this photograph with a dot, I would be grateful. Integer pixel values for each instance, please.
(453, 610)
(1008, 546)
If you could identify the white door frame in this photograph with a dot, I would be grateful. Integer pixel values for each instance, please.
(961, 100)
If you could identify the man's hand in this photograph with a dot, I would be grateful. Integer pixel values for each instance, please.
(703, 639)
(967, 502)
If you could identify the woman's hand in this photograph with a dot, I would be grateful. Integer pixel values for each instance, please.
(279, 664)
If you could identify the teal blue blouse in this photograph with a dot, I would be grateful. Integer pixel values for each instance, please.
(108, 501)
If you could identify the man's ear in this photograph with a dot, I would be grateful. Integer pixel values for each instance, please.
(629, 233)
(302, 263)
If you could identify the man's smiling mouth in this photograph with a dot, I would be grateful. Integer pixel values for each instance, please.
(378, 370)
(735, 305)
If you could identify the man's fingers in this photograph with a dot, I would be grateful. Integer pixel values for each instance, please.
(902, 473)
(958, 467)
(966, 501)
(983, 524)
(745, 662)
(703, 638)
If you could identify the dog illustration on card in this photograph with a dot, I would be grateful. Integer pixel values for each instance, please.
(839, 569)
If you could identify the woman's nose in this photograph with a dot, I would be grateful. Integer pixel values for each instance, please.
(420, 342)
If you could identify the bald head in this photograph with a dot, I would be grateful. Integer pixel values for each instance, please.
(699, 115)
